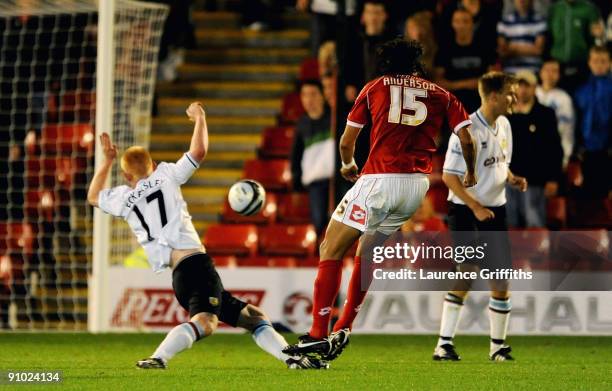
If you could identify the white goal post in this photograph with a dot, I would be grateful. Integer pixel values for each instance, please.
(129, 33)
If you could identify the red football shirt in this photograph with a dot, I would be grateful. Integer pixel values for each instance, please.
(406, 113)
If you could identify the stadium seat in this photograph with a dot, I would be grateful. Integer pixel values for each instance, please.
(277, 142)
(76, 106)
(229, 261)
(16, 238)
(438, 195)
(309, 69)
(266, 216)
(272, 174)
(574, 174)
(296, 240)
(263, 261)
(308, 262)
(47, 172)
(291, 109)
(294, 208)
(532, 244)
(39, 203)
(231, 239)
(556, 215)
(576, 245)
(67, 139)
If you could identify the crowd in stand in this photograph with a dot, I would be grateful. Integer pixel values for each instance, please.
(561, 124)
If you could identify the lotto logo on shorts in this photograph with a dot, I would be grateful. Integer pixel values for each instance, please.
(358, 215)
(213, 301)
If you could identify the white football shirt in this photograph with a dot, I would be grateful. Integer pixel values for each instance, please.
(156, 211)
(493, 155)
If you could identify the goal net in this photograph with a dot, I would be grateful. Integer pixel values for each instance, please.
(49, 57)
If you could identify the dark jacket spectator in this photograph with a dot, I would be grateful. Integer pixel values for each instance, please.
(460, 62)
(594, 103)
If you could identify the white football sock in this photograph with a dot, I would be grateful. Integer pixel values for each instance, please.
(178, 339)
(269, 340)
(499, 315)
(451, 312)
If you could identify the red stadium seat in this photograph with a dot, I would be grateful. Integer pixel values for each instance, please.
(272, 174)
(231, 239)
(263, 261)
(309, 69)
(294, 208)
(16, 238)
(438, 195)
(77, 105)
(277, 142)
(226, 261)
(39, 204)
(575, 245)
(266, 216)
(67, 138)
(556, 215)
(291, 109)
(296, 240)
(308, 262)
(532, 244)
(47, 172)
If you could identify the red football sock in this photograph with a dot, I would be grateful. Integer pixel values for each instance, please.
(326, 287)
(354, 298)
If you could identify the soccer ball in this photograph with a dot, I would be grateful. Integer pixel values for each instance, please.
(246, 197)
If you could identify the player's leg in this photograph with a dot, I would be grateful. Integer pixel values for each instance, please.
(463, 229)
(338, 239)
(357, 290)
(253, 318)
(181, 338)
(198, 289)
(401, 195)
(500, 304)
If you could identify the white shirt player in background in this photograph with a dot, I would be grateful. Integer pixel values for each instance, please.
(153, 205)
(550, 95)
(481, 208)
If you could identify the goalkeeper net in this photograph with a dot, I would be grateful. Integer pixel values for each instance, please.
(48, 56)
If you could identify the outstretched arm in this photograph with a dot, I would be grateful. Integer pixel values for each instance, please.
(199, 140)
(97, 183)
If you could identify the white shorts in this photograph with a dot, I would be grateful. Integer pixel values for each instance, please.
(382, 202)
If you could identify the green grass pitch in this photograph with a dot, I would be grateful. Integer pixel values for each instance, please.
(370, 362)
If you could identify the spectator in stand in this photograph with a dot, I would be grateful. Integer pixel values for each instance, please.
(327, 58)
(323, 22)
(424, 219)
(521, 38)
(574, 25)
(539, 6)
(314, 152)
(485, 16)
(361, 64)
(460, 63)
(399, 11)
(419, 28)
(551, 96)
(178, 35)
(537, 155)
(594, 104)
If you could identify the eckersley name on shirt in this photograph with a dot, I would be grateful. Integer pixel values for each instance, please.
(143, 186)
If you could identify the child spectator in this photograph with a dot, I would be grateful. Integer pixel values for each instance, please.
(550, 95)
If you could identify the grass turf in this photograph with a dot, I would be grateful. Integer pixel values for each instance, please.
(389, 362)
